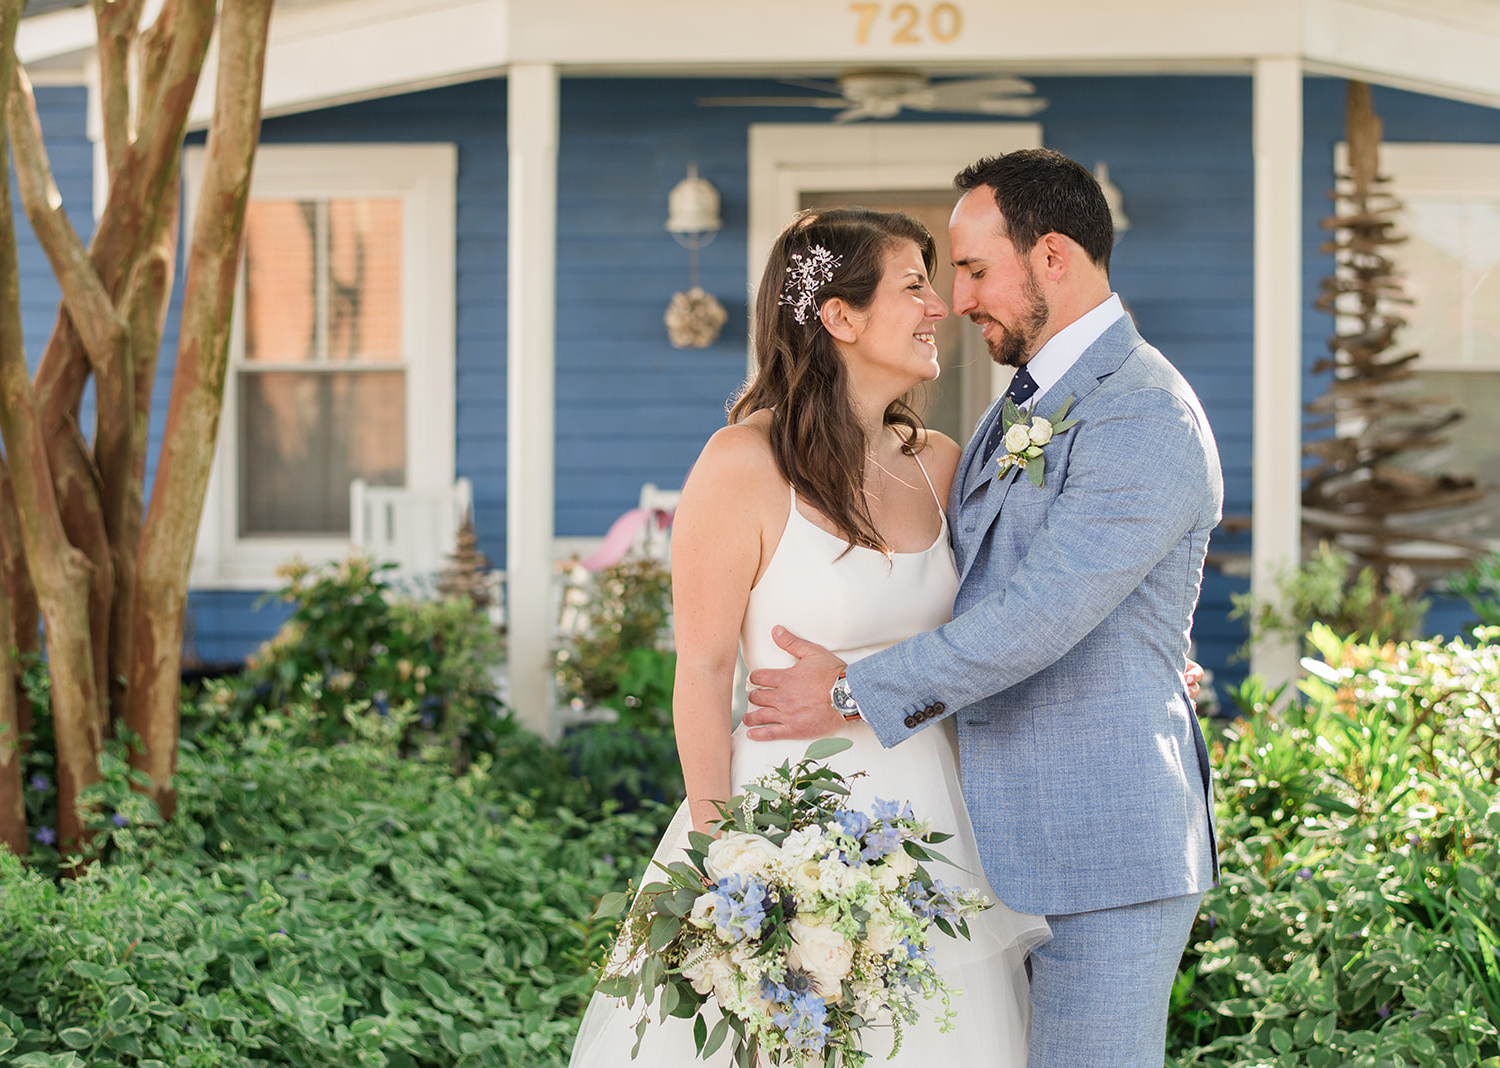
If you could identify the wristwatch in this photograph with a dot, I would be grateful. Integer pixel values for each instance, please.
(843, 698)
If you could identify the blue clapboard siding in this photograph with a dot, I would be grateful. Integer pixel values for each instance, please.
(64, 114)
(631, 409)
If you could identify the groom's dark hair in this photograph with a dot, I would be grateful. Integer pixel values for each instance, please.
(1040, 191)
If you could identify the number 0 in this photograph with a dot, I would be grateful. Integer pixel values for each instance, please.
(946, 22)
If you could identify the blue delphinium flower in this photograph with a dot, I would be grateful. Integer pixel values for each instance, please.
(805, 1023)
(119, 820)
(854, 824)
(739, 907)
(40, 783)
(889, 811)
(884, 839)
(46, 836)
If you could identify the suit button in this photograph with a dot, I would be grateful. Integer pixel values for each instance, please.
(911, 721)
(939, 708)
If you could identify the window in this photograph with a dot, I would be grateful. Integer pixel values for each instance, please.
(342, 349)
(1451, 260)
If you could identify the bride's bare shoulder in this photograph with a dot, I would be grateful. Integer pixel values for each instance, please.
(737, 464)
(940, 455)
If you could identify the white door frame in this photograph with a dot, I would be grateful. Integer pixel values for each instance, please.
(789, 159)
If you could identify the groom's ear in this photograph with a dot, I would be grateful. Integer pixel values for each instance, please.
(1052, 255)
(839, 320)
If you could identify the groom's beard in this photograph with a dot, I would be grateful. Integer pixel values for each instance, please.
(1015, 345)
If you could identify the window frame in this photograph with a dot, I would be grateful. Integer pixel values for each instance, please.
(424, 178)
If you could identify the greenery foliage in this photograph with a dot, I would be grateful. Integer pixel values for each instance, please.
(1356, 920)
(362, 642)
(619, 658)
(322, 905)
(1480, 586)
(1329, 588)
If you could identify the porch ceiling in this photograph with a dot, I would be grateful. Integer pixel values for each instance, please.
(332, 51)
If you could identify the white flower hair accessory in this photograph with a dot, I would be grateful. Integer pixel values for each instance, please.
(1025, 435)
(805, 275)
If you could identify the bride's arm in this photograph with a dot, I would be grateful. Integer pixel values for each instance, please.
(716, 556)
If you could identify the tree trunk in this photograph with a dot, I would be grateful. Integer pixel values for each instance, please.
(171, 526)
(59, 572)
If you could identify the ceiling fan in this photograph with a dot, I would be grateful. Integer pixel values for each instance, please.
(881, 94)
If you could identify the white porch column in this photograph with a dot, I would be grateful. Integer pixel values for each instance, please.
(1276, 464)
(532, 96)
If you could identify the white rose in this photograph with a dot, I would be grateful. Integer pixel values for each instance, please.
(1040, 432)
(896, 865)
(712, 975)
(1017, 438)
(703, 911)
(822, 952)
(880, 934)
(736, 851)
(804, 879)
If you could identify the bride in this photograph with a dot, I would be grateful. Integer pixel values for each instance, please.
(819, 508)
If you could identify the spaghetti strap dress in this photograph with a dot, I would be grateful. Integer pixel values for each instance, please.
(855, 603)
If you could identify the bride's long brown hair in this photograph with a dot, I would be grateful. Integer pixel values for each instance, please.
(819, 445)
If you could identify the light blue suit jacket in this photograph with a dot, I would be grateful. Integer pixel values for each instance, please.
(1084, 768)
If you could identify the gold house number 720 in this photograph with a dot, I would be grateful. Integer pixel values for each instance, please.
(944, 22)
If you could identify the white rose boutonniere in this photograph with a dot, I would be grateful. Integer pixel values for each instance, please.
(1025, 435)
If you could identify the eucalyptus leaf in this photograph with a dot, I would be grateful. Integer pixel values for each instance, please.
(824, 748)
(716, 1038)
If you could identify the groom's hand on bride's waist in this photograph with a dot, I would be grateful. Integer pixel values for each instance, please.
(793, 702)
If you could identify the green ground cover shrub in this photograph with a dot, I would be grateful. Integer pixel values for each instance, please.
(363, 641)
(1357, 919)
(320, 905)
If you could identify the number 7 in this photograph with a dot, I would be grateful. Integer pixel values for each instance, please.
(867, 14)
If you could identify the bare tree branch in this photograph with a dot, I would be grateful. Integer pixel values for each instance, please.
(171, 525)
(117, 22)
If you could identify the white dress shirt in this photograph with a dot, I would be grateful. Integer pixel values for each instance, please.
(1064, 347)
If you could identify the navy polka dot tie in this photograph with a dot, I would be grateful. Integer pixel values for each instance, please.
(1022, 388)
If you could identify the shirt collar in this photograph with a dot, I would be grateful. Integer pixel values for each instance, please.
(1064, 347)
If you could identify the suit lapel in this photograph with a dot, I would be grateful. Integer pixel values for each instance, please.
(975, 513)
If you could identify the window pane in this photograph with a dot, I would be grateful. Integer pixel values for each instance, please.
(1473, 446)
(1451, 261)
(364, 280)
(305, 437)
(280, 296)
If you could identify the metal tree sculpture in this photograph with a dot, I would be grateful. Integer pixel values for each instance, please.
(1357, 494)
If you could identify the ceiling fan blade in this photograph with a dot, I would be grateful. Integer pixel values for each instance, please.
(809, 83)
(1010, 106)
(771, 102)
(966, 89)
(854, 114)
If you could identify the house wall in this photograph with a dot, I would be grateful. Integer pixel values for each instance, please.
(632, 409)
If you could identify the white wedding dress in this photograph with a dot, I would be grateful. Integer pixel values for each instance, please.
(856, 604)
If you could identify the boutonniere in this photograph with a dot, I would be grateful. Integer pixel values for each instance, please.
(1025, 436)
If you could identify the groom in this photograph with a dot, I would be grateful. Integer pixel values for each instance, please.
(1084, 770)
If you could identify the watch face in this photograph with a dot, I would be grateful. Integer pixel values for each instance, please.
(843, 697)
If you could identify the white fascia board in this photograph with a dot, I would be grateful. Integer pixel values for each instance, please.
(55, 35)
(325, 54)
(670, 34)
(1447, 48)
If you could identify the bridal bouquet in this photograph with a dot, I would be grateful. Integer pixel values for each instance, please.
(804, 922)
